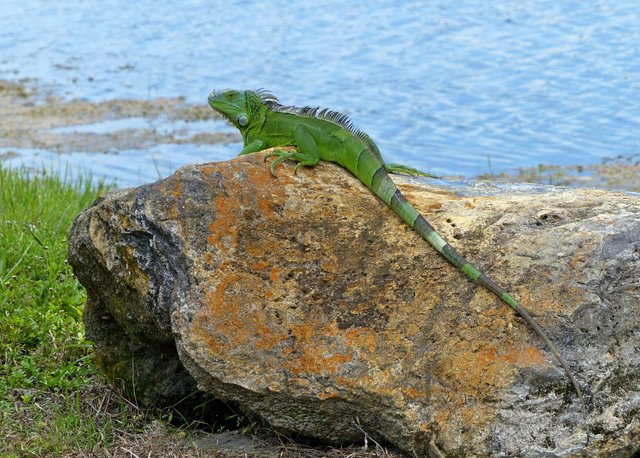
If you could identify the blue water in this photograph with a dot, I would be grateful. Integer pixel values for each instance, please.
(455, 88)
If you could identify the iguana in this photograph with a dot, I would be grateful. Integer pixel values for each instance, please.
(326, 135)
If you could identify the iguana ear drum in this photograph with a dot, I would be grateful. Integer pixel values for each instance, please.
(242, 120)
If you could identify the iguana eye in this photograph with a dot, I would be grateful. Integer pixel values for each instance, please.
(242, 120)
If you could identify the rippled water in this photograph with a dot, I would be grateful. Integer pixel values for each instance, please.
(450, 87)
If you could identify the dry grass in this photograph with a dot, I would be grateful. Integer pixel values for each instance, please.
(97, 421)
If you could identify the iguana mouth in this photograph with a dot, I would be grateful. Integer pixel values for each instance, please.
(212, 96)
(212, 99)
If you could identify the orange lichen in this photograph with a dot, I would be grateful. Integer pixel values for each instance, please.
(328, 394)
(578, 258)
(442, 417)
(224, 324)
(227, 323)
(215, 300)
(222, 316)
(346, 382)
(274, 275)
(266, 338)
(311, 363)
(394, 337)
(527, 357)
(361, 338)
(259, 248)
(210, 169)
(330, 267)
(134, 275)
(449, 417)
(208, 258)
(176, 192)
(378, 384)
(300, 381)
(313, 353)
(414, 393)
(225, 224)
(530, 356)
(266, 196)
(532, 300)
(476, 415)
(475, 370)
(213, 345)
(260, 265)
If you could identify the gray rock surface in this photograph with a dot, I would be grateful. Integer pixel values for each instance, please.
(305, 301)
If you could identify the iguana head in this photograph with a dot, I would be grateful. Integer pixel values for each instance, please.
(239, 107)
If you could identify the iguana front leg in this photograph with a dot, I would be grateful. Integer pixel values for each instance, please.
(306, 152)
(254, 146)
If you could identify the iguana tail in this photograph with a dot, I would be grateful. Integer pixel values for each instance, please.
(382, 185)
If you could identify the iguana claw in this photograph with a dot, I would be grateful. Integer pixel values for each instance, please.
(280, 156)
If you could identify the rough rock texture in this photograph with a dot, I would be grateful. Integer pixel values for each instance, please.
(308, 303)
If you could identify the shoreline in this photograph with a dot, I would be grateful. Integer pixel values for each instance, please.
(35, 119)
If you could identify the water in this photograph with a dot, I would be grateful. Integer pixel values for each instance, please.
(454, 88)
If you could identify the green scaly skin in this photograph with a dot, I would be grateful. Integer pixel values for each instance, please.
(330, 136)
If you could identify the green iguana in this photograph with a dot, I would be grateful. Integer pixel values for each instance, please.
(330, 136)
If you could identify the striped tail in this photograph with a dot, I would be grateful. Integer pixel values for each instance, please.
(382, 185)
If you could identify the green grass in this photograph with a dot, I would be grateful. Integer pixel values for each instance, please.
(45, 361)
(53, 401)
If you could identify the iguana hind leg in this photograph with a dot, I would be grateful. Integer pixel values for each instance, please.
(399, 168)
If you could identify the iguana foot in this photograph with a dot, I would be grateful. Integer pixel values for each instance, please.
(281, 155)
(399, 168)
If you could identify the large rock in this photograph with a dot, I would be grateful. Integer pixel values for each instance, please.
(306, 301)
